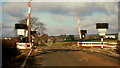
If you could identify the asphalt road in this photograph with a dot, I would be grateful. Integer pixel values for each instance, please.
(68, 56)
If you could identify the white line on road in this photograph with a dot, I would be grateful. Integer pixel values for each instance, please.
(24, 63)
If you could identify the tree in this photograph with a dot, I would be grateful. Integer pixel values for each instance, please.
(54, 40)
(62, 36)
(71, 37)
(35, 25)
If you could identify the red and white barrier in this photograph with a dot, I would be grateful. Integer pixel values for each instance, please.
(106, 44)
(24, 45)
(28, 19)
(79, 27)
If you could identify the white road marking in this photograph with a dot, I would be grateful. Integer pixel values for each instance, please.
(24, 63)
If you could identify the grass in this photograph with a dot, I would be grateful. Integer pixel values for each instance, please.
(57, 43)
(60, 43)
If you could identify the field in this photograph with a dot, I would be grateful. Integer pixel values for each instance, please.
(62, 43)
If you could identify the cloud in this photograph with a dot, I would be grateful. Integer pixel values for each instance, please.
(19, 10)
(15, 9)
(87, 23)
(61, 0)
(62, 30)
(112, 20)
(6, 25)
(8, 33)
(76, 8)
(61, 17)
(13, 18)
(8, 30)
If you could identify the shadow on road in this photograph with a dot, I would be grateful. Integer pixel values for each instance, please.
(32, 59)
(36, 59)
(47, 51)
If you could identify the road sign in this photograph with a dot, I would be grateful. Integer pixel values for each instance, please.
(102, 32)
(21, 32)
(20, 26)
(102, 28)
(83, 32)
(101, 25)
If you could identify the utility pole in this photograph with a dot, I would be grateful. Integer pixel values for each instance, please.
(28, 22)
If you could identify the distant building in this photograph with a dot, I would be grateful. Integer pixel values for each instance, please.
(110, 36)
(49, 40)
(44, 37)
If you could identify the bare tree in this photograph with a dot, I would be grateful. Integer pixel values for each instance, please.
(35, 25)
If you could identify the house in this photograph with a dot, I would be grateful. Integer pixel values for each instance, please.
(44, 37)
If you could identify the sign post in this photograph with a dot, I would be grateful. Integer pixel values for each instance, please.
(102, 28)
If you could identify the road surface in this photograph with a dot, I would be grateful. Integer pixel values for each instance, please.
(68, 56)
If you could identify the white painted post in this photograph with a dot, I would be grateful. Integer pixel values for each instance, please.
(102, 42)
(91, 44)
(102, 46)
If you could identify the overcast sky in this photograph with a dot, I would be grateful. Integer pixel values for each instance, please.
(61, 17)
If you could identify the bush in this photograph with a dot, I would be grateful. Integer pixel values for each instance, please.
(9, 51)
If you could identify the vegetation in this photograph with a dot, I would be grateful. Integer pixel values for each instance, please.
(9, 52)
(35, 25)
(71, 37)
(66, 37)
(60, 43)
(62, 36)
(118, 47)
(57, 43)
